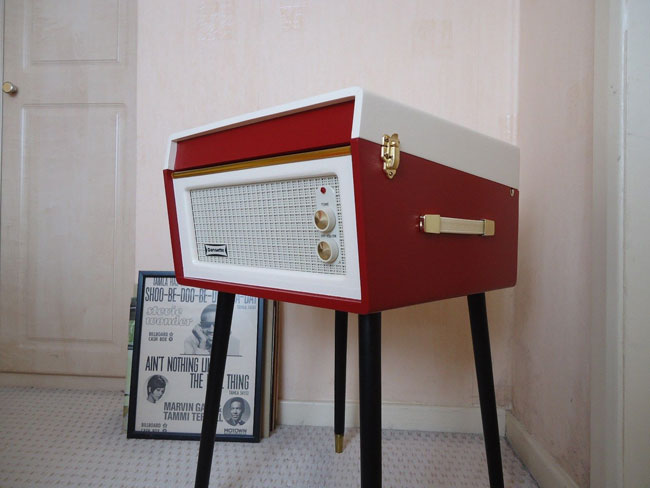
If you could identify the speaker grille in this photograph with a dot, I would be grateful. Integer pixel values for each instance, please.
(265, 225)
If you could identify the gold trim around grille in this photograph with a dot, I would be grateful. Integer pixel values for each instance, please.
(257, 163)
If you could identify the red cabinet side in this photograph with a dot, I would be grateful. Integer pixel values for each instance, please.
(400, 265)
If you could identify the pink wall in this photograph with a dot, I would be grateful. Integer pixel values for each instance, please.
(200, 61)
(426, 353)
(551, 350)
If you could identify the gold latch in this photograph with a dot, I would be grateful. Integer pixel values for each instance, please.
(390, 154)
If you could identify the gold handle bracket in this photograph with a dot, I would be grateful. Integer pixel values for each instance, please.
(435, 224)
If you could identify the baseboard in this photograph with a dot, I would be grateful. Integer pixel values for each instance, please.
(541, 464)
(394, 416)
(62, 381)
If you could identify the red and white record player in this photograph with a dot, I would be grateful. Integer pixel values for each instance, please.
(346, 201)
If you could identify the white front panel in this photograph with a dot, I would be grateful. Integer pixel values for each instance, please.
(256, 227)
(265, 225)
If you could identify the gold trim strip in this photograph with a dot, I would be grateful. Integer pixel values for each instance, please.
(258, 163)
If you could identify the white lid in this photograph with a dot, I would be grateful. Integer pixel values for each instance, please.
(421, 134)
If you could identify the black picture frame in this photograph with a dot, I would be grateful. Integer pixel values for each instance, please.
(137, 425)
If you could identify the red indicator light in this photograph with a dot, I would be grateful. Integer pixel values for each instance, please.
(322, 189)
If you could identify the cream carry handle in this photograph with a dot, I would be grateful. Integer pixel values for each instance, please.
(435, 224)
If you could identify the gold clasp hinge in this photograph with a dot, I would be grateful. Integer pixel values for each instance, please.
(390, 154)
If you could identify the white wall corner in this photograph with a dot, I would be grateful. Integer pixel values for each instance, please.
(541, 464)
(395, 416)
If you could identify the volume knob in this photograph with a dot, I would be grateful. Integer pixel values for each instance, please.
(328, 250)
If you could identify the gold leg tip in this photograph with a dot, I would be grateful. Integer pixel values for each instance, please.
(338, 443)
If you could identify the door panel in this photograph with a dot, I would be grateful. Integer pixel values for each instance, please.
(61, 201)
(80, 32)
(66, 221)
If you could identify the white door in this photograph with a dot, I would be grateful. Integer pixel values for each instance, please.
(68, 156)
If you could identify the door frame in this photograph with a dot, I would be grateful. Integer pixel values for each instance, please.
(606, 451)
(2, 73)
(614, 374)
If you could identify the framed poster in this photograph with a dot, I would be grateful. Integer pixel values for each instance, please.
(174, 326)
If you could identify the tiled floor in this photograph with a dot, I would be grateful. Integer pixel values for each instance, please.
(71, 438)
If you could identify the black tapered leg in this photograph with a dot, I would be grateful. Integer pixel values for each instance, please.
(485, 379)
(340, 363)
(218, 354)
(370, 399)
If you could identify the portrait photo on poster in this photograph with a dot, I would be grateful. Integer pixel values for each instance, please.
(173, 338)
(156, 386)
